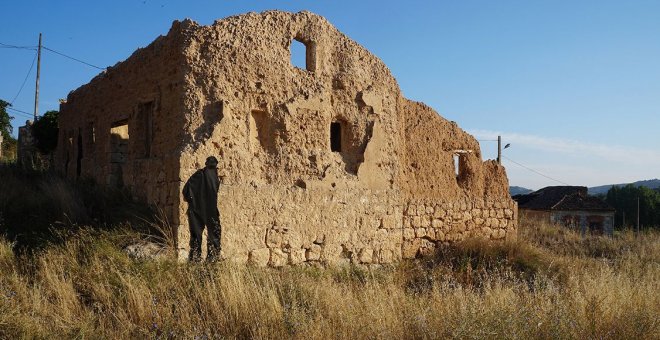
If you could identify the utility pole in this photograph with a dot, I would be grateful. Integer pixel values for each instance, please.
(36, 90)
(499, 150)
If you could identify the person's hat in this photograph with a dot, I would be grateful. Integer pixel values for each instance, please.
(211, 161)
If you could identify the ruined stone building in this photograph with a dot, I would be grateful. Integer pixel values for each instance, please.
(324, 162)
(570, 206)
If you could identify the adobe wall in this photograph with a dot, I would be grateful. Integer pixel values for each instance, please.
(328, 162)
(120, 129)
(286, 196)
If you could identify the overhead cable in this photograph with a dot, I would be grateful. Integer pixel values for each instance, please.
(72, 58)
(24, 80)
(3, 45)
(534, 171)
(19, 111)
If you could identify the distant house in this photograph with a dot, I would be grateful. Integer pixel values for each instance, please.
(570, 206)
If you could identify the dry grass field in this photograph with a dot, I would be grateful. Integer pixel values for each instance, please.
(550, 283)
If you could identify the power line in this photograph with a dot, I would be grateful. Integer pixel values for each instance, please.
(24, 80)
(2, 45)
(72, 58)
(534, 171)
(20, 111)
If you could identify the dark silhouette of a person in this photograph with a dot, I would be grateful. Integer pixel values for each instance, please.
(201, 193)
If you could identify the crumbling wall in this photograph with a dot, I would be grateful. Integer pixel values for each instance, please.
(326, 162)
(287, 197)
(441, 161)
(274, 130)
(122, 129)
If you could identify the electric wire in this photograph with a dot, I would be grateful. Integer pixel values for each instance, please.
(534, 171)
(20, 111)
(34, 48)
(72, 58)
(24, 80)
(2, 45)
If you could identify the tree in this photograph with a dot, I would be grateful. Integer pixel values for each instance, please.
(45, 132)
(624, 200)
(8, 142)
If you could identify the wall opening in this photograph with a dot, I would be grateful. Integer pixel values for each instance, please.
(144, 129)
(336, 136)
(118, 152)
(462, 167)
(69, 150)
(303, 54)
(91, 135)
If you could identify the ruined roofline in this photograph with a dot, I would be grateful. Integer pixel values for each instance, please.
(177, 29)
(305, 14)
(185, 29)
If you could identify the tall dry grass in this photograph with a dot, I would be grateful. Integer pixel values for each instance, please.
(549, 284)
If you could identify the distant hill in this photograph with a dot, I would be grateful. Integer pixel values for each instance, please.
(514, 190)
(649, 183)
(653, 184)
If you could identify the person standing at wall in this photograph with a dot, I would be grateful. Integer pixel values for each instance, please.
(201, 193)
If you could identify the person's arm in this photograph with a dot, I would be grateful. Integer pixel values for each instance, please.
(186, 192)
(188, 188)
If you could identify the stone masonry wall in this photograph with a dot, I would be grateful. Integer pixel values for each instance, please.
(277, 226)
(428, 223)
(293, 226)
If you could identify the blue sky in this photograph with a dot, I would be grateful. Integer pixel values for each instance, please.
(574, 86)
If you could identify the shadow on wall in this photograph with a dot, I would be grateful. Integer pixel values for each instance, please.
(262, 131)
(345, 141)
(212, 114)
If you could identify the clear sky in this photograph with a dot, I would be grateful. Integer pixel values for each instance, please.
(574, 86)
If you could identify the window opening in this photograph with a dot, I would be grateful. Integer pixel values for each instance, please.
(335, 137)
(118, 152)
(303, 54)
(91, 134)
